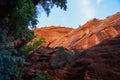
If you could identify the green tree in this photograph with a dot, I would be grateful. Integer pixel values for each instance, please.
(15, 17)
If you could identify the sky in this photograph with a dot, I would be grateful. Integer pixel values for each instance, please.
(79, 12)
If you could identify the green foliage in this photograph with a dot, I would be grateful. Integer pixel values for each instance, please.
(28, 48)
(38, 43)
(23, 15)
(41, 76)
(9, 60)
(15, 17)
(48, 4)
(2, 36)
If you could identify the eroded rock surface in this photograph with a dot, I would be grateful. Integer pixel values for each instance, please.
(51, 33)
(101, 62)
(96, 54)
(84, 37)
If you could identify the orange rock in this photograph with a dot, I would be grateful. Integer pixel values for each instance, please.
(99, 59)
(51, 33)
(84, 37)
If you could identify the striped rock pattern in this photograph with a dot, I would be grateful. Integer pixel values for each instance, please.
(84, 37)
(90, 34)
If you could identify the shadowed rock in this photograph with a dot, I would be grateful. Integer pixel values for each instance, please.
(96, 54)
(101, 62)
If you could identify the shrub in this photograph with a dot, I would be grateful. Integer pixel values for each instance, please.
(28, 48)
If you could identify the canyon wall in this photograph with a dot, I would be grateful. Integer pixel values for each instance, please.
(84, 37)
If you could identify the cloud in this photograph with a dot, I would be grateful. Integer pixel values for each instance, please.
(99, 1)
(87, 8)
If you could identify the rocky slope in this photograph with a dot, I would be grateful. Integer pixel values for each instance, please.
(99, 59)
(84, 37)
(101, 62)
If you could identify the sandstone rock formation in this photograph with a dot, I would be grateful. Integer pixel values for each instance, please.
(84, 37)
(101, 62)
(95, 54)
(51, 33)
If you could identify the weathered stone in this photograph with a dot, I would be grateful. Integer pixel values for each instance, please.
(99, 58)
(84, 37)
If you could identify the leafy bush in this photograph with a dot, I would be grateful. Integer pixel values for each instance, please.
(9, 61)
(15, 17)
(28, 48)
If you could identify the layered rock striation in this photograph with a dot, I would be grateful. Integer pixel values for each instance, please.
(84, 37)
(90, 52)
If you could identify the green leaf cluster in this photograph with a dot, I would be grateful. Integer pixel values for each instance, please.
(9, 61)
(28, 48)
(15, 18)
(48, 4)
(23, 15)
(20, 14)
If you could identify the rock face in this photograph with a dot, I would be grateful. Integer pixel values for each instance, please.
(84, 37)
(51, 33)
(99, 59)
(101, 62)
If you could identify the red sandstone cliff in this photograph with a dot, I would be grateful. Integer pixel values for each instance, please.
(51, 33)
(88, 35)
(99, 60)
